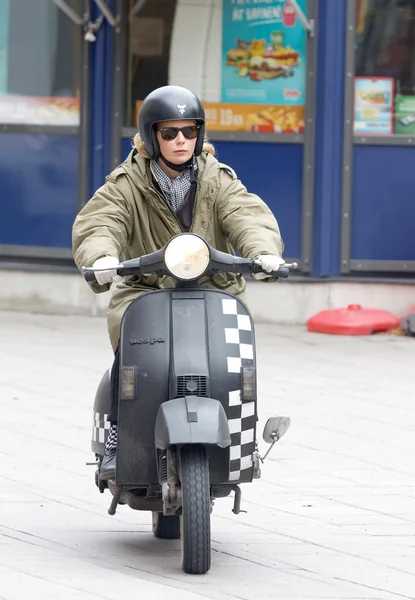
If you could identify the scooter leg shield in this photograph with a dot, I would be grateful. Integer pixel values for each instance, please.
(191, 420)
(179, 344)
(100, 425)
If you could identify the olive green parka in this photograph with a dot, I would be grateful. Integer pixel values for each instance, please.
(128, 217)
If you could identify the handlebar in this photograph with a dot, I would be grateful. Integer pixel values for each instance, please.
(243, 266)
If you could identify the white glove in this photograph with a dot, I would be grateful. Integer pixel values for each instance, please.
(110, 274)
(270, 263)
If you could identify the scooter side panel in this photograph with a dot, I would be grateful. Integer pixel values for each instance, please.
(100, 425)
(231, 347)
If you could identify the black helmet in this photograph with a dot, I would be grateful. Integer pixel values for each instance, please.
(169, 103)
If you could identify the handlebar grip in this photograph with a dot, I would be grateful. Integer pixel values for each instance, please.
(89, 276)
(282, 273)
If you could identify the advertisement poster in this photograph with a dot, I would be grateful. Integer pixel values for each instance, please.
(373, 105)
(405, 115)
(37, 110)
(4, 44)
(263, 52)
(258, 118)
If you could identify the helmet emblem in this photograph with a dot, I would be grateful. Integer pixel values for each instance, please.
(182, 108)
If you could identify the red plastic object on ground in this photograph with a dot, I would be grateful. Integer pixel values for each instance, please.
(353, 320)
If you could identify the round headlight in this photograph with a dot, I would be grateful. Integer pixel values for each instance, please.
(187, 257)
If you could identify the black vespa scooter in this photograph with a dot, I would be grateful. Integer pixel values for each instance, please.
(188, 397)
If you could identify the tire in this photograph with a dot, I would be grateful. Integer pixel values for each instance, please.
(166, 528)
(195, 518)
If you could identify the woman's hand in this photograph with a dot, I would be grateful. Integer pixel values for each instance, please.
(110, 274)
(270, 263)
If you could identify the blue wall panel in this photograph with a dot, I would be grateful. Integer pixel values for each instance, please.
(38, 189)
(274, 172)
(383, 203)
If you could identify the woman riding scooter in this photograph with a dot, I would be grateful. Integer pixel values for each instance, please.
(170, 183)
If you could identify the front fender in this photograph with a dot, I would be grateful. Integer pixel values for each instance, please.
(191, 420)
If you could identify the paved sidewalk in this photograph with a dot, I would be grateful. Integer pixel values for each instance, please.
(332, 517)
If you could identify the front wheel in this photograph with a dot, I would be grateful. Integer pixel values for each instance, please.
(195, 518)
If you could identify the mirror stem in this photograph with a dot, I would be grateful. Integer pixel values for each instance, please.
(274, 440)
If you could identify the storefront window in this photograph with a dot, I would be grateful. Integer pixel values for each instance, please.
(385, 67)
(39, 63)
(246, 60)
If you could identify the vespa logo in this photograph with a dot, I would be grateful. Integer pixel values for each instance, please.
(182, 108)
(150, 341)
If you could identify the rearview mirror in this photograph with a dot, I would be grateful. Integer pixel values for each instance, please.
(275, 428)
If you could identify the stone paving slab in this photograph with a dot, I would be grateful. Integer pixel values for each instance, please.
(333, 516)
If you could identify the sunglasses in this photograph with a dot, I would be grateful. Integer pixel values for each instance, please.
(169, 134)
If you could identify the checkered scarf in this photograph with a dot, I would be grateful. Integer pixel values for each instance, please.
(174, 190)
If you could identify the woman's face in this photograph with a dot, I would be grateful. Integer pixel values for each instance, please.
(180, 149)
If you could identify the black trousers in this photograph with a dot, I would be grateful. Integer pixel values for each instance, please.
(114, 384)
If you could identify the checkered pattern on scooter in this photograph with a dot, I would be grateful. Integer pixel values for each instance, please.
(241, 415)
(100, 428)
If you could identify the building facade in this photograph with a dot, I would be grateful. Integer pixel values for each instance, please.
(312, 102)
